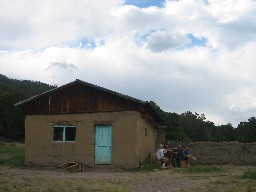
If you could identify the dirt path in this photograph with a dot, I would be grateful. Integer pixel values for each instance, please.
(161, 181)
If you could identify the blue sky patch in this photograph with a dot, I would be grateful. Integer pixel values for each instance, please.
(197, 41)
(82, 43)
(145, 3)
(86, 43)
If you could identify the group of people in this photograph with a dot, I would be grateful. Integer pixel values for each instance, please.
(173, 156)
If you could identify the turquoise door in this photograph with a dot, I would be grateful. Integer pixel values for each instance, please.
(103, 144)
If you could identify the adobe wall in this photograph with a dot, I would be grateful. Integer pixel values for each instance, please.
(146, 137)
(160, 137)
(224, 153)
(128, 132)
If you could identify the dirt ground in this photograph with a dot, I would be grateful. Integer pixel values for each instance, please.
(38, 179)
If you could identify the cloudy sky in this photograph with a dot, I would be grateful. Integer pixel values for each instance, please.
(185, 55)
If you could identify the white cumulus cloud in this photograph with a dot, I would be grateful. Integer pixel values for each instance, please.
(151, 53)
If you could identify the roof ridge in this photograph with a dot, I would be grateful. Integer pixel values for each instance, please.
(85, 83)
(113, 92)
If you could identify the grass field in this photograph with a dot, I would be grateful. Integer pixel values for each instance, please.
(11, 154)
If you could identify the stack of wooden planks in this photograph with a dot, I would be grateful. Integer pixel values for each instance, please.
(73, 166)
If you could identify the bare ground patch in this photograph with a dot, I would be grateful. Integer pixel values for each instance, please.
(53, 179)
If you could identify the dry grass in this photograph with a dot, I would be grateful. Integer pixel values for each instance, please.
(19, 183)
(224, 178)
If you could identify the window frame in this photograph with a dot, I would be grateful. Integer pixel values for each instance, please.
(64, 132)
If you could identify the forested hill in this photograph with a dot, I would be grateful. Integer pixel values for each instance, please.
(25, 88)
(11, 92)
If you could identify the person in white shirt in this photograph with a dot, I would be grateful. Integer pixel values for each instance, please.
(160, 155)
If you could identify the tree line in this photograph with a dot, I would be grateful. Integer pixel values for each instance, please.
(186, 126)
(193, 127)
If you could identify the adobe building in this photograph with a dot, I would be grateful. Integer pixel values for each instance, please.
(92, 125)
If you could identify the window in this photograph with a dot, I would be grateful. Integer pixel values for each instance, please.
(58, 133)
(64, 133)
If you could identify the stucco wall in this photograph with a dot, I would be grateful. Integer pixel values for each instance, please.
(224, 153)
(128, 132)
